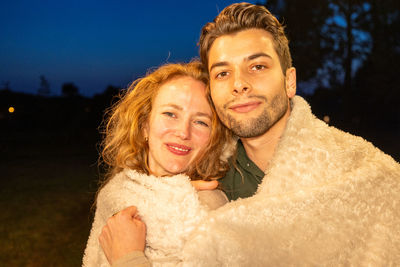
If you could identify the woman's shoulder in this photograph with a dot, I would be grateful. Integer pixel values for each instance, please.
(125, 176)
(114, 181)
(155, 182)
(116, 185)
(131, 181)
(119, 192)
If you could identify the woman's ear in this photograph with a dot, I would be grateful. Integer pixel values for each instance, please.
(146, 131)
(290, 82)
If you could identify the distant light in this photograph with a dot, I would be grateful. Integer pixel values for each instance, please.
(11, 109)
(326, 119)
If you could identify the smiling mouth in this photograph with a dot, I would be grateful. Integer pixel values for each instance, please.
(246, 107)
(180, 150)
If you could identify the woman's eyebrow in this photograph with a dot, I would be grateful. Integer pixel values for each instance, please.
(202, 114)
(175, 106)
(199, 113)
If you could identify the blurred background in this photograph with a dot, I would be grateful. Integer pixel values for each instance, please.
(62, 63)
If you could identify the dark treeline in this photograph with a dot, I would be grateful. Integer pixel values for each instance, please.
(69, 116)
(348, 53)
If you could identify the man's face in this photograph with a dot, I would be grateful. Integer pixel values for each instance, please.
(248, 87)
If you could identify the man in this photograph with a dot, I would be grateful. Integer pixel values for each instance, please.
(306, 193)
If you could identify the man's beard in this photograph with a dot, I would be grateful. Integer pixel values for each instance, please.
(254, 127)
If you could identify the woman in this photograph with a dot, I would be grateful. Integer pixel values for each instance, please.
(164, 126)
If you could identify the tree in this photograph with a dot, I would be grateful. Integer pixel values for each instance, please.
(69, 90)
(377, 82)
(353, 42)
(305, 22)
(44, 88)
(351, 47)
(6, 86)
(327, 38)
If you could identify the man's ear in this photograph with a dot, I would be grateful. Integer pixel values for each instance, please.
(291, 82)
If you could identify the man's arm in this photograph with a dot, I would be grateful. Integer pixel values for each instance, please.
(133, 259)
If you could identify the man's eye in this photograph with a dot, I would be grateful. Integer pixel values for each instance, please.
(222, 74)
(258, 67)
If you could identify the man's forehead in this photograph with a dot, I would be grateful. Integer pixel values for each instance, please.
(246, 44)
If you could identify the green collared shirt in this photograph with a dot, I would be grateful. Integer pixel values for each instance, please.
(236, 185)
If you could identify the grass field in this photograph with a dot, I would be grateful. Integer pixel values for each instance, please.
(47, 189)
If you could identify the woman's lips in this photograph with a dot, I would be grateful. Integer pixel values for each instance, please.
(178, 149)
(246, 107)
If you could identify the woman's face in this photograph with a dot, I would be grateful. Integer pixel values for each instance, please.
(179, 126)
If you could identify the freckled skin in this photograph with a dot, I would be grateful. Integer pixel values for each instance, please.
(179, 126)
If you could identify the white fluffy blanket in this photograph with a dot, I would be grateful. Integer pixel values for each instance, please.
(169, 206)
(328, 199)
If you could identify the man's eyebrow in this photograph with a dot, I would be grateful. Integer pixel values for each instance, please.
(257, 55)
(251, 57)
(218, 64)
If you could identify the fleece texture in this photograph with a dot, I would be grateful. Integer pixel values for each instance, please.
(169, 206)
(328, 199)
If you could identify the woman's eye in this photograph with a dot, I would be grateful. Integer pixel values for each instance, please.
(202, 123)
(169, 114)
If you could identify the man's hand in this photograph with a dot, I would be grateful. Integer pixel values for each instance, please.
(123, 233)
(204, 185)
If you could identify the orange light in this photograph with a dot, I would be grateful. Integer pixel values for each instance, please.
(327, 119)
(11, 109)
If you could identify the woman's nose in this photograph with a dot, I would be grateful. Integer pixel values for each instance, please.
(183, 130)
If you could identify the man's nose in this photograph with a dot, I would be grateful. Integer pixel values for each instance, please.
(240, 84)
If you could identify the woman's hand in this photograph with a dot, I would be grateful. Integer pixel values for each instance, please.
(200, 185)
(123, 233)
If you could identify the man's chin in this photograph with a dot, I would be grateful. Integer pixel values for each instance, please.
(248, 131)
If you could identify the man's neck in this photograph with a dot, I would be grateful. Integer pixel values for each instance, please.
(261, 149)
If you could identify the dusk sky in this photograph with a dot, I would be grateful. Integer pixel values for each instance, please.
(94, 44)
